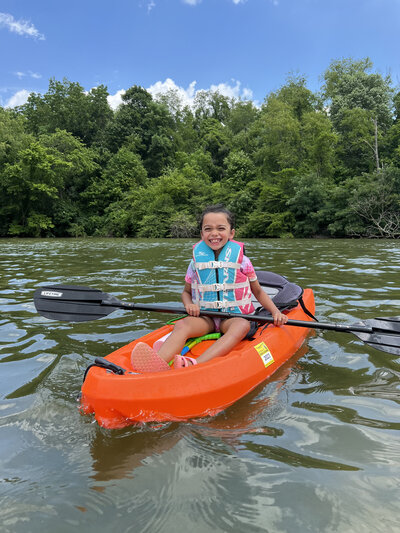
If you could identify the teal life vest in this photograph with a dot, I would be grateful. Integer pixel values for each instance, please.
(220, 284)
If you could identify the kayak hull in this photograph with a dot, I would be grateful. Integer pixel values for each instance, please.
(197, 391)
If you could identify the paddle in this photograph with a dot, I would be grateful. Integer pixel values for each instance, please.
(79, 304)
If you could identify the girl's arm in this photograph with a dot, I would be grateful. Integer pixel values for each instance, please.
(191, 308)
(267, 303)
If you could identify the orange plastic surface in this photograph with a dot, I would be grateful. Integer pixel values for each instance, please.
(197, 391)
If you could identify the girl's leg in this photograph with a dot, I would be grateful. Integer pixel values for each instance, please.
(234, 330)
(183, 330)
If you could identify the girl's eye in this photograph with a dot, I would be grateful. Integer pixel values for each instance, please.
(221, 228)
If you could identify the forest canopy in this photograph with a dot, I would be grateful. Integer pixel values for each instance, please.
(301, 164)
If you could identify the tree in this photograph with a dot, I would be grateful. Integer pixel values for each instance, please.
(123, 173)
(150, 123)
(355, 96)
(239, 170)
(242, 116)
(82, 165)
(67, 106)
(376, 200)
(295, 94)
(278, 134)
(212, 104)
(318, 141)
(307, 201)
(350, 84)
(361, 138)
(215, 139)
(29, 188)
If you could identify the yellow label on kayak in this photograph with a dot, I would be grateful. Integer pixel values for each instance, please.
(264, 353)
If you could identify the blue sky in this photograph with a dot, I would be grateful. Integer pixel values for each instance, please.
(245, 48)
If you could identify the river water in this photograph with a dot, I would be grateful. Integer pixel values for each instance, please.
(314, 449)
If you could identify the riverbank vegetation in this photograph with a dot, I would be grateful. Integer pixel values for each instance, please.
(301, 164)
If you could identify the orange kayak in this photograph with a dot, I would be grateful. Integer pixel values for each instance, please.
(180, 394)
(197, 391)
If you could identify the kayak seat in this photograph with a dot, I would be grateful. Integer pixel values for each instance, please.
(285, 295)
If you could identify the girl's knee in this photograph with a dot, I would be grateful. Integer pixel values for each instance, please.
(181, 325)
(193, 326)
(239, 327)
(245, 326)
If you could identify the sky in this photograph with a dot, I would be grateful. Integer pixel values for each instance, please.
(243, 48)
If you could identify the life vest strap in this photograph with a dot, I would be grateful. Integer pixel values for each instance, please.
(216, 264)
(222, 286)
(224, 304)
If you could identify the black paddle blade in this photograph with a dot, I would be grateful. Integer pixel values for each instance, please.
(71, 303)
(385, 334)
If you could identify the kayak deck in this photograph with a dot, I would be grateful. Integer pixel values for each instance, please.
(197, 391)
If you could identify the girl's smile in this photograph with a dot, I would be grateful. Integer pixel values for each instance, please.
(216, 230)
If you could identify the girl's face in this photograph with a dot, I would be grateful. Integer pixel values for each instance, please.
(216, 230)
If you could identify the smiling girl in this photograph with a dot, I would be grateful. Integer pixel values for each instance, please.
(219, 277)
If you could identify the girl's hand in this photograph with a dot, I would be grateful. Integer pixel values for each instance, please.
(192, 309)
(279, 318)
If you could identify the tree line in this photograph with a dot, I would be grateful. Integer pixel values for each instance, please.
(302, 164)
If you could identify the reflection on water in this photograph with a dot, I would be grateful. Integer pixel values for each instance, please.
(316, 448)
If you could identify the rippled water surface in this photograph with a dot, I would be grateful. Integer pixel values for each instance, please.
(314, 449)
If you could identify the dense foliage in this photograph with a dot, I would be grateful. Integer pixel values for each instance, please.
(302, 164)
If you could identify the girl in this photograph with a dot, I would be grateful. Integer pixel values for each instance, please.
(219, 276)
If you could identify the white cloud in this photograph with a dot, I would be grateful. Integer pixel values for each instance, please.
(185, 96)
(34, 75)
(188, 94)
(114, 100)
(21, 27)
(192, 2)
(232, 91)
(19, 98)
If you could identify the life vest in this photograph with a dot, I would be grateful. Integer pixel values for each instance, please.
(221, 285)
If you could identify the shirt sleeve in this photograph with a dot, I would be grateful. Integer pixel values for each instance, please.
(190, 273)
(248, 269)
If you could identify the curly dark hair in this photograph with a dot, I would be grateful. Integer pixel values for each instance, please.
(219, 208)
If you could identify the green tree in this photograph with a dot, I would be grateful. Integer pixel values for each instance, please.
(350, 86)
(318, 142)
(150, 123)
(29, 188)
(361, 138)
(123, 173)
(376, 199)
(307, 202)
(239, 170)
(13, 136)
(242, 115)
(215, 139)
(278, 135)
(82, 166)
(297, 96)
(67, 106)
(212, 104)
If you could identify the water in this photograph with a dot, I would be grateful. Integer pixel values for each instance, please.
(315, 449)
